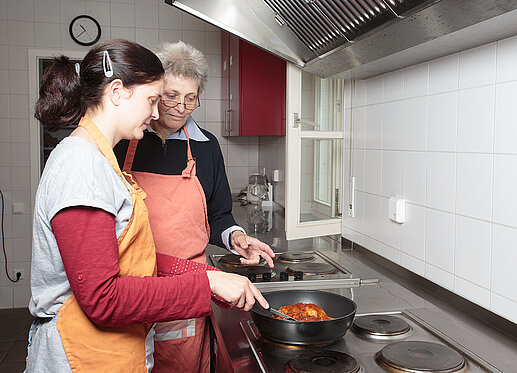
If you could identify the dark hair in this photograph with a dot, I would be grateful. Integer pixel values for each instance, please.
(65, 96)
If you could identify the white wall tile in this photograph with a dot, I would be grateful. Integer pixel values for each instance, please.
(413, 232)
(213, 42)
(392, 125)
(440, 277)
(6, 296)
(20, 33)
(238, 155)
(373, 171)
(5, 156)
(373, 126)
(3, 9)
(4, 57)
(47, 35)
(20, 10)
(238, 177)
(477, 66)
(504, 257)
(415, 124)
(472, 251)
(472, 292)
(19, 106)
(373, 90)
(5, 110)
(443, 74)
(20, 129)
(47, 11)
(390, 231)
(5, 130)
(359, 128)
(146, 16)
(390, 253)
(69, 9)
(4, 82)
(442, 122)
(214, 65)
(413, 264)
(506, 57)
(122, 15)
(192, 23)
(213, 110)
(147, 37)
(441, 180)
(391, 173)
(358, 168)
(17, 57)
(123, 33)
(20, 153)
(393, 86)
(22, 295)
(20, 177)
(18, 82)
(439, 240)
(356, 223)
(505, 184)
(359, 92)
(416, 79)
(5, 177)
(505, 136)
(474, 185)
(170, 18)
(100, 11)
(372, 216)
(503, 307)
(476, 119)
(414, 177)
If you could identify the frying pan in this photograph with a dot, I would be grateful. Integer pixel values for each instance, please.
(340, 308)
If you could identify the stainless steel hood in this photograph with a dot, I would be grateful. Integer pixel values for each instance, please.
(359, 38)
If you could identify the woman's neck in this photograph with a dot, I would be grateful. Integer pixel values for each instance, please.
(162, 132)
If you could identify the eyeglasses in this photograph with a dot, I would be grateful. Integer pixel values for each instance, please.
(187, 105)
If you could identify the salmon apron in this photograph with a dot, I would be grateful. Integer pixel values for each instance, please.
(93, 348)
(179, 222)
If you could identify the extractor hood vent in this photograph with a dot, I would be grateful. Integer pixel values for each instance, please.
(325, 24)
(359, 38)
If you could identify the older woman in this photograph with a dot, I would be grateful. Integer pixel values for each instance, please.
(181, 168)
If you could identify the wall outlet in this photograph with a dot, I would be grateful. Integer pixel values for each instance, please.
(21, 271)
(18, 208)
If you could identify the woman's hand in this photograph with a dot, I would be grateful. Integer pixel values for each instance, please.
(252, 249)
(235, 289)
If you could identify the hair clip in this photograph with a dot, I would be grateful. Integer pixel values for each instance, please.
(106, 65)
(77, 68)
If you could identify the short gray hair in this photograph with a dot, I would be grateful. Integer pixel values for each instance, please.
(180, 59)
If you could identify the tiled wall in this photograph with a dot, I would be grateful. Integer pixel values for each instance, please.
(43, 24)
(442, 135)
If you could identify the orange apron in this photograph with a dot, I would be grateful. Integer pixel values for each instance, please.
(93, 348)
(179, 222)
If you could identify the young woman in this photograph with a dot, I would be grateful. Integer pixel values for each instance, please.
(181, 168)
(94, 290)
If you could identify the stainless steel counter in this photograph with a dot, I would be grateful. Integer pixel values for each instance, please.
(392, 293)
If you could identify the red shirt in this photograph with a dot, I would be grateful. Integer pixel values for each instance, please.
(89, 249)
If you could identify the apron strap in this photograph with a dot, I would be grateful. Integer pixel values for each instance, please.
(190, 170)
(107, 151)
(130, 155)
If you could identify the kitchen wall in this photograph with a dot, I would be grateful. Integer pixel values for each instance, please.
(442, 135)
(43, 24)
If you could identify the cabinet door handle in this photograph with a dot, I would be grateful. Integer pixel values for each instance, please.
(227, 128)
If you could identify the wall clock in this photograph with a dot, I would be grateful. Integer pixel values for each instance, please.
(85, 30)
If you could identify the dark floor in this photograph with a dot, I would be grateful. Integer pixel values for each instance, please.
(14, 329)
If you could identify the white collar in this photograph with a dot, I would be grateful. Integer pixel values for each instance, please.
(194, 132)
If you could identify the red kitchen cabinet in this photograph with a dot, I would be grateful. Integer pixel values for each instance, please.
(253, 90)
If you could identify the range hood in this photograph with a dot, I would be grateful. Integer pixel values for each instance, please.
(357, 39)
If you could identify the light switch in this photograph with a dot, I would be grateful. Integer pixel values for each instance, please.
(397, 210)
(18, 208)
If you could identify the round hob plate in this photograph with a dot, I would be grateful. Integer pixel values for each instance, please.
(296, 258)
(380, 325)
(312, 268)
(323, 361)
(420, 356)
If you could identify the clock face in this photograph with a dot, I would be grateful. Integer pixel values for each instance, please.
(85, 30)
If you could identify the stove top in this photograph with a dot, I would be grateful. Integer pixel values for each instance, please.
(380, 342)
(292, 269)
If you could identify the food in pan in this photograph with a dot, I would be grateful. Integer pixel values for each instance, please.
(303, 312)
